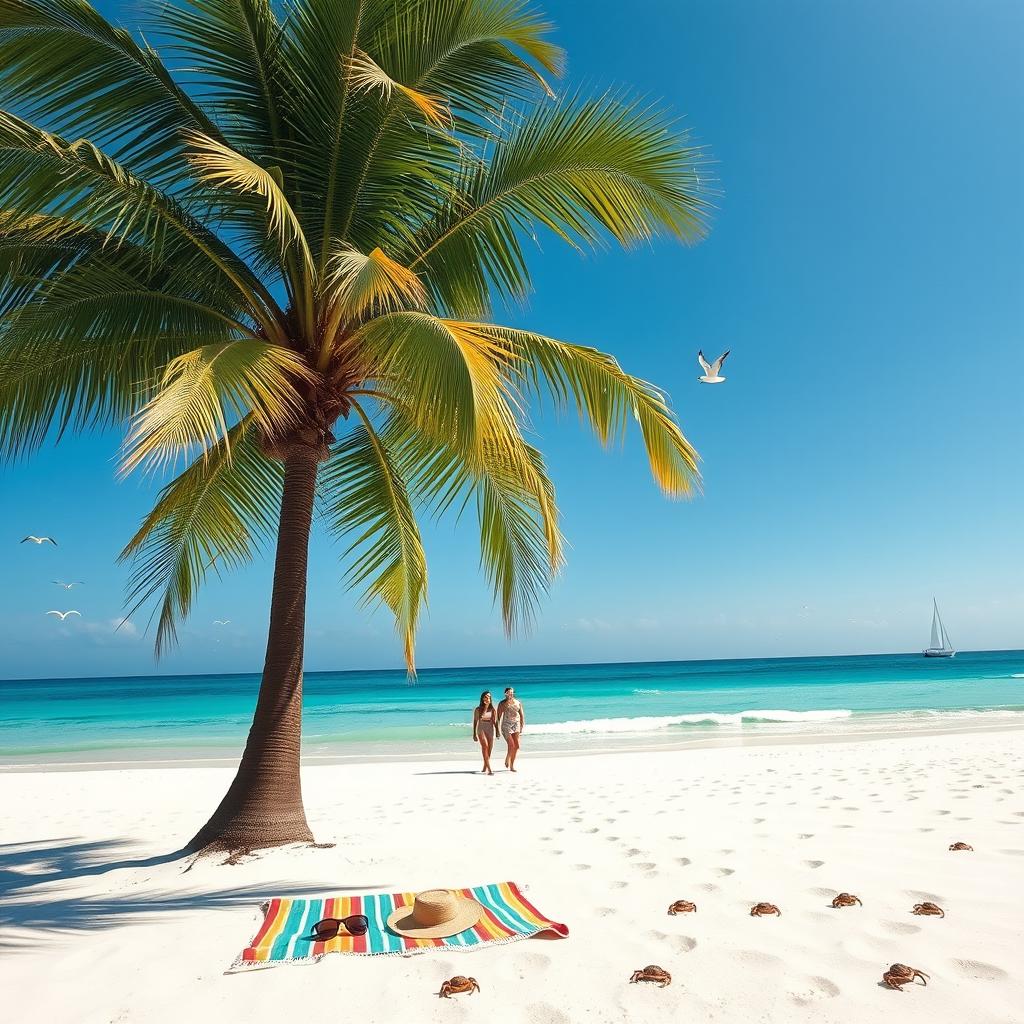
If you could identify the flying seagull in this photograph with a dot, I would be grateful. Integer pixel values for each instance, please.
(221, 622)
(68, 586)
(40, 540)
(712, 371)
(64, 615)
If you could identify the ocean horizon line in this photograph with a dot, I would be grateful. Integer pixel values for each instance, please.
(498, 668)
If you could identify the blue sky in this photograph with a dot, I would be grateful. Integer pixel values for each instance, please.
(866, 267)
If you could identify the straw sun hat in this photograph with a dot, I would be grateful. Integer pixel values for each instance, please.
(435, 914)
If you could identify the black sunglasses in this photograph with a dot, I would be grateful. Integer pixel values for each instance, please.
(329, 927)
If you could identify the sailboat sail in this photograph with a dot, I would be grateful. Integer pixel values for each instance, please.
(946, 645)
(940, 646)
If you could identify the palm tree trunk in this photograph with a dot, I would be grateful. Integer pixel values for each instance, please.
(263, 806)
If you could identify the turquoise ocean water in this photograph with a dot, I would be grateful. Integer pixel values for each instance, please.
(569, 707)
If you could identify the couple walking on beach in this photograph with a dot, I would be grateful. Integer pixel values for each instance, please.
(508, 718)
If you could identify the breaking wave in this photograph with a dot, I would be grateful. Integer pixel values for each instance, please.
(654, 723)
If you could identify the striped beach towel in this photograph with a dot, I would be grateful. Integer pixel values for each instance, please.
(284, 936)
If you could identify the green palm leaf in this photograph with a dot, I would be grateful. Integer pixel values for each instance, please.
(213, 515)
(366, 495)
(583, 169)
(204, 390)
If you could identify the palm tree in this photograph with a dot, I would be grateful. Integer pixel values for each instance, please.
(274, 254)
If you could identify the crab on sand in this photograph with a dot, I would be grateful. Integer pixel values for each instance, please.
(764, 909)
(927, 909)
(846, 899)
(652, 972)
(961, 846)
(899, 975)
(457, 985)
(682, 907)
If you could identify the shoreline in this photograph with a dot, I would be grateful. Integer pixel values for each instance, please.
(878, 732)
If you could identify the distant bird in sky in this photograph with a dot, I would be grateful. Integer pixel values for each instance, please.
(68, 586)
(40, 540)
(64, 615)
(221, 622)
(712, 371)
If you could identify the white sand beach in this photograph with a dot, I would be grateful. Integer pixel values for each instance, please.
(97, 927)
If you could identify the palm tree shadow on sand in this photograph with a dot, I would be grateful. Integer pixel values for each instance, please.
(36, 906)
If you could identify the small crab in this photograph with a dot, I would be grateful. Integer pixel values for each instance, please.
(682, 907)
(652, 972)
(764, 909)
(457, 985)
(926, 909)
(900, 974)
(962, 846)
(846, 899)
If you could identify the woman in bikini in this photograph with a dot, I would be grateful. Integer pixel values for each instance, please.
(484, 720)
(511, 721)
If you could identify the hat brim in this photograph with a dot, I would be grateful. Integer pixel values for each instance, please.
(402, 922)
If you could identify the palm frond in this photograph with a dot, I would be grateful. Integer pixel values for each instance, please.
(608, 398)
(204, 390)
(449, 376)
(212, 515)
(43, 174)
(366, 495)
(367, 75)
(584, 169)
(521, 544)
(62, 63)
(359, 284)
(232, 52)
(219, 165)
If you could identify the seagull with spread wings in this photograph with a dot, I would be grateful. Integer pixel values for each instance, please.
(68, 586)
(221, 622)
(64, 615)
(712, 371)
(39, 540)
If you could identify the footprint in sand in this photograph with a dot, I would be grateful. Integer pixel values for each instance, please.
(679, 943)
(545, 1013)
(708, 887)
(1015, 853)
(919, 896)
(619, 884)
(979, 969)
(590, 831)
(813, 863)
(605, 911)
(535, 961)
(581, 867)
(646, 865)
(683, 862)
(805, 835)
(899, 927)
(813, 989)
(724, 872)
(758, 958)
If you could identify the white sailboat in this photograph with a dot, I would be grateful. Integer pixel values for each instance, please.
(940, 646)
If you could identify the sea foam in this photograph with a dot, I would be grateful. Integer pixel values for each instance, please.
(654, 723)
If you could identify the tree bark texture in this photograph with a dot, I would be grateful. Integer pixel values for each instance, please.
(263, 806)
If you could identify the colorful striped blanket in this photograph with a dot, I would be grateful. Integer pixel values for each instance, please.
(286, 933)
